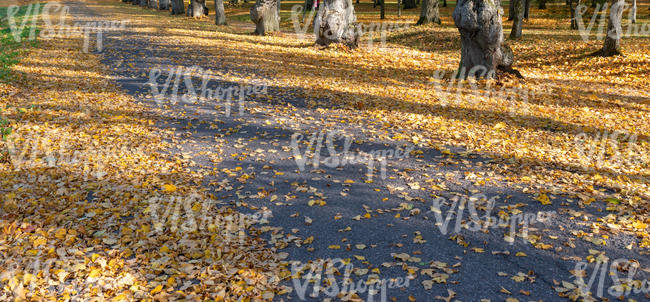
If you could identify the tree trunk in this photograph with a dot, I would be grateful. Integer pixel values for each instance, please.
(444, 3)
(382, 9)
(574, 22)
(220, 12)
(542, 4)
(336, 23)
(430, 12)
(481, 36)
(526, 9)
(178, 7)
(265, 16)
(163, 4)
(153, 4)
(143, 3)
(612, 44)
(197, 9)
(399, 8)
(511, 10)
(409, 4)
(518, 20)
(633, 12)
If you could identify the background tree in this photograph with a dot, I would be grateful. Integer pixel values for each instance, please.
(197, 8)
(511, 10)
(518, 19)
(526, 9)
(153, 3)
(633, 12)
(612, 45)
(399, 8)
(573, 5)
(429, 12)
(265, 16)
(178, 7)
(163, 4)
(409, 4)
(220, 12)
(542, 4)
(336, 23)
(481, 36)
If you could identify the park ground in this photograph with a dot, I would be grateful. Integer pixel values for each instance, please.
(102, 225)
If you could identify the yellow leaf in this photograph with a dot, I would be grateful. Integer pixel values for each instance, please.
(543, 199)
(169, 188)
(156, 290)
(94, 273)
(499, 126)
(39, 241)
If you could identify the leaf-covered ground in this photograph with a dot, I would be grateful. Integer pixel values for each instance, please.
(98, 149)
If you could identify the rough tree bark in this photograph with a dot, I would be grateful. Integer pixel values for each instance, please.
(336, 23)
(542, 4)
(178, 7)
(574, 22)
(430, 12)
(526, 9)
(220, 12)
(163, 4)
(481, 35)
(518, 19)
(409, 4)
(265, 16)
(612, 46)
(197, 9)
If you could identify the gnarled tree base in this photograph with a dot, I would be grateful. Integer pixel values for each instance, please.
(336, 23)
(265, 16)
